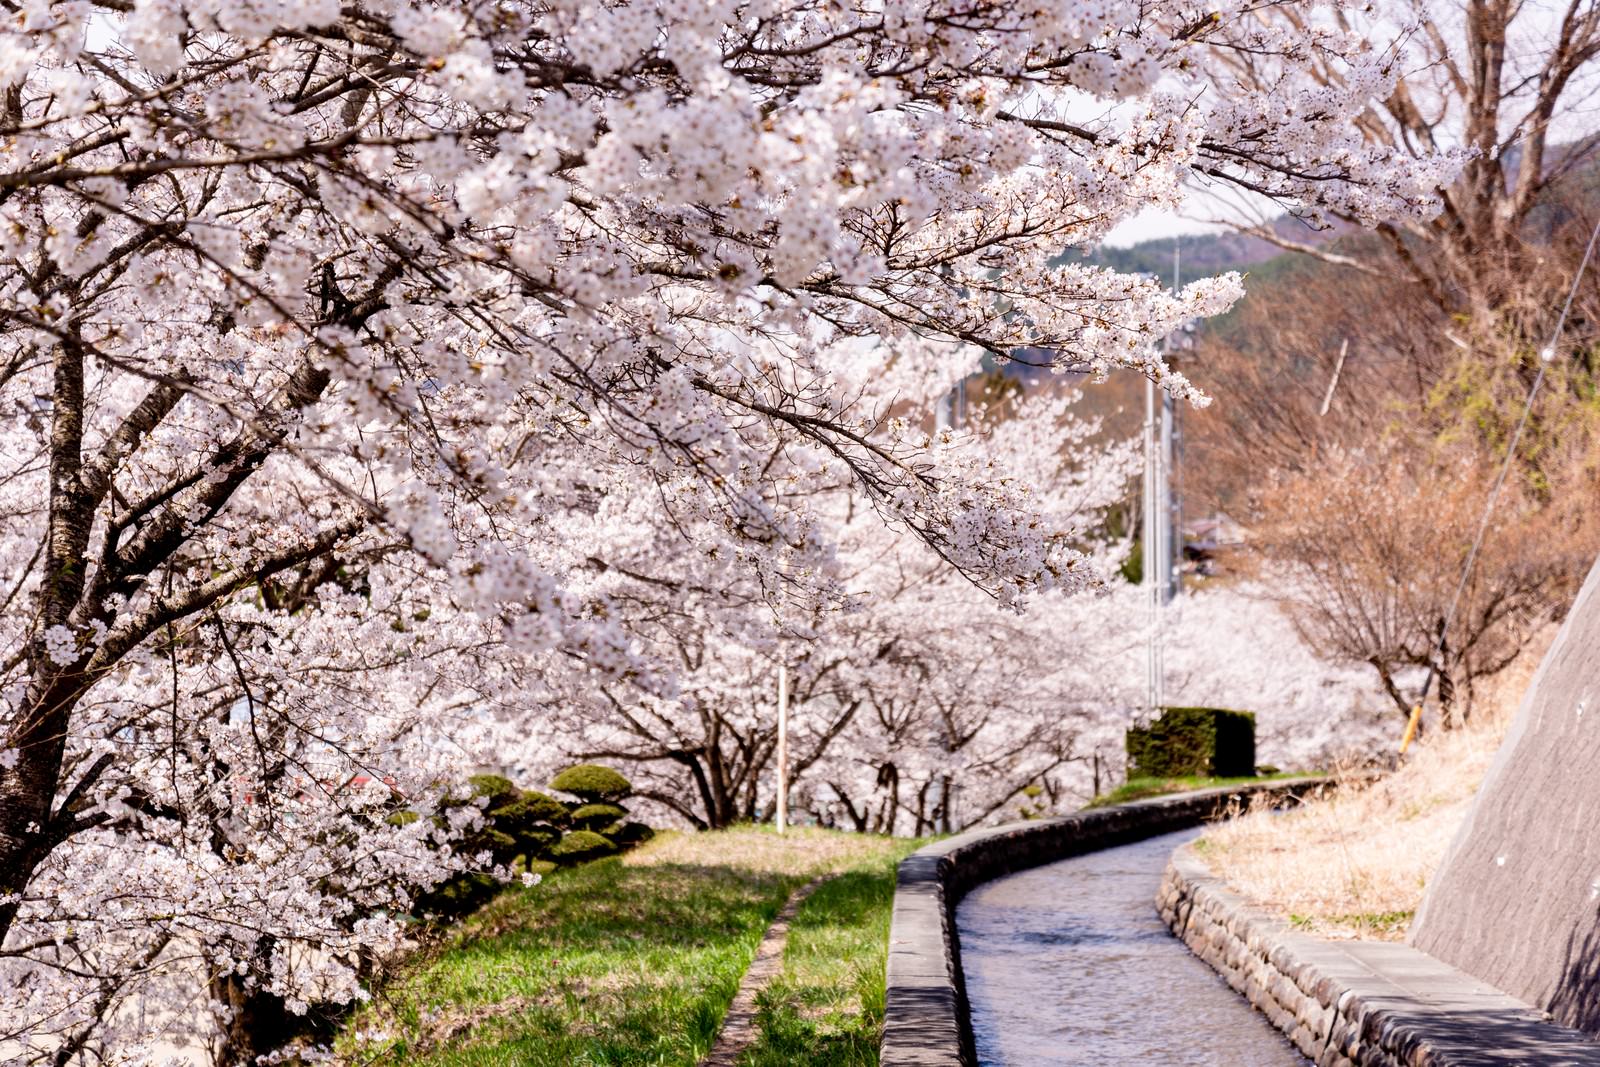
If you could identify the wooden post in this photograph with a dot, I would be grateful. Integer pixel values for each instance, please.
(1411, 729)
(783, 746)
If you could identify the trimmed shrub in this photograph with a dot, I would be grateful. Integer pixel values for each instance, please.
(461, 894)
(526, 830)
(598, 817)
(497, 788)
(1203, 742)
(592, 783)
(536, 845)
(542, 807)
(630, 834)
(580, 846)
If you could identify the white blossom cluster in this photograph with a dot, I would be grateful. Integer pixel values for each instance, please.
(364, 366)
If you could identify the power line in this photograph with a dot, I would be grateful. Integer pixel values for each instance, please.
(1545, 358)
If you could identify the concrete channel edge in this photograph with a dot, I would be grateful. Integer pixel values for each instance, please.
(926, 1021)
(1358, 1003)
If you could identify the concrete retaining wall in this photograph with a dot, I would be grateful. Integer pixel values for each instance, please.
(1358, 1003)
(925, 1019)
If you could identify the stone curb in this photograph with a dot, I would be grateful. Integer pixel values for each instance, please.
(925, 1011)
(1358, 1003)
(739, 1030)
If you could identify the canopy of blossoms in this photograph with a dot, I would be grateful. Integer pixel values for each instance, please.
(358, 361)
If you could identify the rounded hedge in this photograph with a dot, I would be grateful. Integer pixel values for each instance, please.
(592, 782)
(631, 833)
(536, 844)
(580, 846)
(597, 816)
(493, 786)
(542, 807)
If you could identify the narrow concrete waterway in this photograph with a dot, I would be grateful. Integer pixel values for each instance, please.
(1070, 964)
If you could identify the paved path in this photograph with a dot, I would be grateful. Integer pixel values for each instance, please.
(1069, 964)
(739, 1025)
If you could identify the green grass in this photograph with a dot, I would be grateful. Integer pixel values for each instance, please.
(1389, 923)
(1140, 788)
(826, 1009)
(633, 961)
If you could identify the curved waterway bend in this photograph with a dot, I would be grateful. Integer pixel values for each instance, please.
(1070, 964)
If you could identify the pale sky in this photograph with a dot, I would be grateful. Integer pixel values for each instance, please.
(1151, 224)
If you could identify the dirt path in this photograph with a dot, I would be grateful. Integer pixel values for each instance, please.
(739, 1030)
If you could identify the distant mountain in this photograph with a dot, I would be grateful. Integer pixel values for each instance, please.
(1119, 400)
(1201, 254)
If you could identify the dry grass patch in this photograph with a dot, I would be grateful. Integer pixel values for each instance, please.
(1354, 864)
(800, 852)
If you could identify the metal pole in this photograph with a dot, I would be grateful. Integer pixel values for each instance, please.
(1172, 556)
(1153, 544)
(1169, 501)
(783, 746)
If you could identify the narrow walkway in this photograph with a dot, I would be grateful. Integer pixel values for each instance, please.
(1069, 964)
(739, 1025)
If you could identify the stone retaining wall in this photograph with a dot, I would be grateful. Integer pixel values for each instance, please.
(925, 1015)
(1358, 1003)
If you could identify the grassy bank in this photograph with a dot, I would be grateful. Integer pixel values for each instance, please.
(1142, 788)
(826, 1009)
(633, 961)
(1355, 864)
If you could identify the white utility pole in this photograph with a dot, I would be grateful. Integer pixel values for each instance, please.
(1153, 550)
(783, 744)
(1160, 517)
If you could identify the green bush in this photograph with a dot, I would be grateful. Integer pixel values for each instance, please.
(598, 817)
(581, 846)
(1203, 742)
(630, 834)
(519, 830)
(496, 787)
(526, 830)
(592, 783)
(465, 892)
(542, 807)
(536, 845)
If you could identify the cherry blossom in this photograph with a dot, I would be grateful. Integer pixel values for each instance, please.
(363, 366)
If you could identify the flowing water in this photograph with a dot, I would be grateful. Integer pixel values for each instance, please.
(1070, 964)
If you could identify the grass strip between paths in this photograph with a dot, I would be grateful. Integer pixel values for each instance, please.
(1142, 788)
(740, 1024)
(633, 961)
(826, 1008)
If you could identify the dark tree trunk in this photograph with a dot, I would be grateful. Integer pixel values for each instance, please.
(255, 1022)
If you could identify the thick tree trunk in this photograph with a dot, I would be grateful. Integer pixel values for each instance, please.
(252, 1022)
(29, 826)
(1517, 899)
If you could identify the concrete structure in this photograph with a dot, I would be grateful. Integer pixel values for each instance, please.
(1517, 899)
(925, 1019)
(1359, 1003)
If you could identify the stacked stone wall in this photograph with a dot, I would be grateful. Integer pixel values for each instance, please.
(1358, 1004)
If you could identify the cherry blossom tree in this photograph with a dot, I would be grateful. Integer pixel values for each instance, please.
(356, 358)
(917, 681)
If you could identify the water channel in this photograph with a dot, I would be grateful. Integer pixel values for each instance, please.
(1070, 964)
